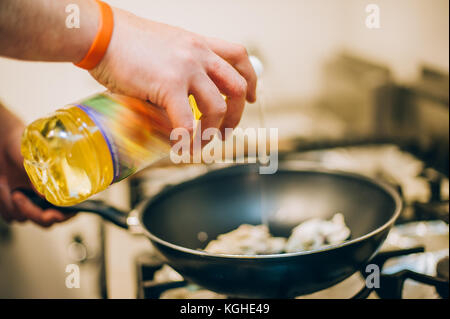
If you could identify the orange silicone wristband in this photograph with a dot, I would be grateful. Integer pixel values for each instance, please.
(101, 40)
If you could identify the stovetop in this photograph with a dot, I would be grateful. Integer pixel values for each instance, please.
(411, 266)
(413, 260)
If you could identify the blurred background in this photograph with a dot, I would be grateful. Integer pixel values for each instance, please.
(368, 100)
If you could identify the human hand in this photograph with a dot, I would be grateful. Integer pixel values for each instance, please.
(16, 206)
(164, 64)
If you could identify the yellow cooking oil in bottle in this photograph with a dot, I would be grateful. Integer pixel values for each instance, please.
(84, 147)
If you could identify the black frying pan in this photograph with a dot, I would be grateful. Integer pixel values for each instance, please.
(221, 200)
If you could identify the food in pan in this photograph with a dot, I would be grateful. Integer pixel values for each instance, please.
(256, 240)
(317, 233)
(166, 274)
(247, 240)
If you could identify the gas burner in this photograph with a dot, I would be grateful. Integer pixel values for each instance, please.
(391, 285)
(416, 264)
(442, 272)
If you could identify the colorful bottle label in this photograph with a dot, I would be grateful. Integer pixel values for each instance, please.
(137, 133)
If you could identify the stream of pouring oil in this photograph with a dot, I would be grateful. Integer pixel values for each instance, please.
(263, 190)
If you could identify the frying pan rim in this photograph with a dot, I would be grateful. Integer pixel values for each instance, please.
(286, 166)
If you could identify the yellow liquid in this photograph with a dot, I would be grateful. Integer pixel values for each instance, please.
(67, 157)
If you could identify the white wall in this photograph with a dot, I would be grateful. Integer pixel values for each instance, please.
(413, 32)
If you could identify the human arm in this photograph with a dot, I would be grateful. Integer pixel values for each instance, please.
(145, 59)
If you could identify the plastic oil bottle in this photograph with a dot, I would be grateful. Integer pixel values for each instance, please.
(83, 148)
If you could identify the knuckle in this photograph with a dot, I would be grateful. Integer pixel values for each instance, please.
(186, 58)
(183, 124)
(215, 65)
(188, 125)
(188, 128)
(196, 42)
(239, 87)
(241, 51)
(219, 110)
(171, 78)
(189, 59)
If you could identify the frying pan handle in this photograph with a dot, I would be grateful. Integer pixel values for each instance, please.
(98, 207)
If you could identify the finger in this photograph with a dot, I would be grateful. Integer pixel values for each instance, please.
(28, 209)
(17, 215)
(234, 86)
(6, 205)
(51, 216)
(210, 103)
(7, 208)
(180, 112)
(237, 56)
(42, 217)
